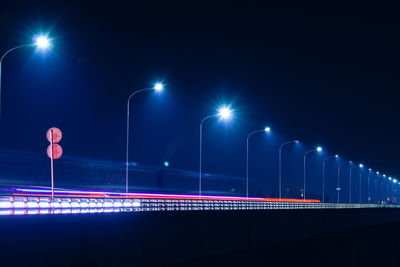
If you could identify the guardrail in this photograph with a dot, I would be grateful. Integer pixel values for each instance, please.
(64, 205)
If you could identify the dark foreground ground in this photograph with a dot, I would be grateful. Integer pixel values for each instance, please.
(368, 237)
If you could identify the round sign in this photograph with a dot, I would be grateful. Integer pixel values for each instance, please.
(57, 135)
(57, 151)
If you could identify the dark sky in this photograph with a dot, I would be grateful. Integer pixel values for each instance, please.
(323, 73)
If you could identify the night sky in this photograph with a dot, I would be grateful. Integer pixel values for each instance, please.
(326, 74)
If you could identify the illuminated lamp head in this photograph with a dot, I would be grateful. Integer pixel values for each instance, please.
(225, 113)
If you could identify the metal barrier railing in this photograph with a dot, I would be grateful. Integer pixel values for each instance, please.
(62, 205)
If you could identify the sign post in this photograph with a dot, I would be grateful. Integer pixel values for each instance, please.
(54, 151)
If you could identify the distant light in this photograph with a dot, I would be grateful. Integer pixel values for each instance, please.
(296, 141)
(384, 175)
(166, 163)
(319, 149)
(394, 180)
(377, 172)
(336, 156)
(390, 178)
(267, 129)
(158, 87)
(361, 165)
(224, 112)
(42, 42)
(370, 169)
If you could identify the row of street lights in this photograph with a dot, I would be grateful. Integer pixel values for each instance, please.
(361, 167)
(226, 113)
(223, 113)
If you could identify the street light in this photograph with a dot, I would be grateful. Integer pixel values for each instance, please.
(392, 192)
(376, 187)
(41, 42)
(223, 113)
(158, 87)
(323, 175)
(387, 189)
(383, 197)
(265, 130)
(338, 189)
(368, 179)
(360, 166)
(280, 164)
(318, 149)
(351, 168)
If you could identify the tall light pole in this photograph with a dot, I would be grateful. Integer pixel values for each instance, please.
(323, 175)
(361, 166)
(280, 164)
(318, 149)
(351, 168)
(158, 87)
(265, 130)
(376, 187)
(397, 190)
(393, 189)
(384, 198)
(338, 189)
(41, 42)
(368, 178)
(224, 113)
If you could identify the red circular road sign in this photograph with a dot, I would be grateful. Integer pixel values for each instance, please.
(57, 151)
(57, 135)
